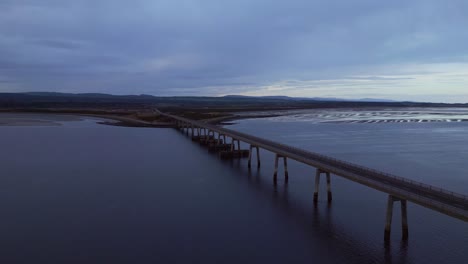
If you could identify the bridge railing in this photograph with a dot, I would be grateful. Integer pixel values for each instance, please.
(424, 200)
(351, 166)
(347, 166)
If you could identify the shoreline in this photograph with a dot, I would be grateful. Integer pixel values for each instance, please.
(146, 118)
(150, 117)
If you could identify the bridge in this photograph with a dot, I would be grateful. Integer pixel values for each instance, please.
(399, 189)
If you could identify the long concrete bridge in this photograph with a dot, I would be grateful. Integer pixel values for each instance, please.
(399, 189)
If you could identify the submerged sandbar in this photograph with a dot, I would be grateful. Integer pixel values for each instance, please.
(22, 119)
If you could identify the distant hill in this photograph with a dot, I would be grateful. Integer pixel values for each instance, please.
(87, 95)
(229, 97)
(327, 99)
(42, 100)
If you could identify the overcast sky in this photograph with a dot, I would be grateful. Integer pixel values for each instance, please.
(399, 49)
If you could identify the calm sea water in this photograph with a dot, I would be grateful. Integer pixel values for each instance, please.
(81, 192)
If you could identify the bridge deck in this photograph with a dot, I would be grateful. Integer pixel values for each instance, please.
(447, 202)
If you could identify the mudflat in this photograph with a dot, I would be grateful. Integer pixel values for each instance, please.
(20, 119)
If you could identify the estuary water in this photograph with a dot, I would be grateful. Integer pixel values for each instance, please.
(75, 191)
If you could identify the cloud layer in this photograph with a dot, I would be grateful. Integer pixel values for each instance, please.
(414, 50)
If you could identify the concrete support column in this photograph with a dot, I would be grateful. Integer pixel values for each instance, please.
(329, 193)
(317, 184)
(249, 164)
(388, 220)
(318, 173)
(404, 220)
(233, 143)
(285, 162)
(210, 133)
(258, 157)
(207, 136)
(275, 174)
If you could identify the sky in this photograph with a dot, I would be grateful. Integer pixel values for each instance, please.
(401, 49)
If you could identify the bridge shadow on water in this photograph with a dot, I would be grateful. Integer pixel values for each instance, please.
(317, 220)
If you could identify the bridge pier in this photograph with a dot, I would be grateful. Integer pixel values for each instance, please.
(201, 132)
(196, 133)
(208, 137)
(249, 164)
(233, 147)
(285, 163)
(404, 218)
(317, 185)
(229, 151)
(219, 138)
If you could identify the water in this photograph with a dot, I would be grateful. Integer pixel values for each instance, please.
(80, 192)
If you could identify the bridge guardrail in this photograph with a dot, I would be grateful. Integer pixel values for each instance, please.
(434, 203)
(354, 168)
(349, 165)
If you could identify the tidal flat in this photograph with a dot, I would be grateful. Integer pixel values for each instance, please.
(29, 119)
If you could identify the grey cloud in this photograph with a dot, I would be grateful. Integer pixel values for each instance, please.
(379, 78)
(57, 44)
(164, 47)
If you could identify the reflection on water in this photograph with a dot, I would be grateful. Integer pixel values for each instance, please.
(88, 193)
